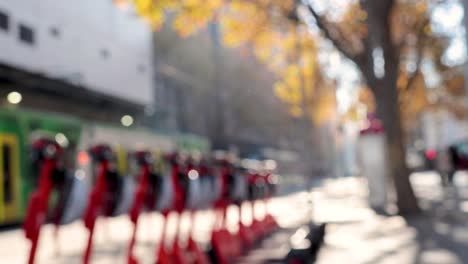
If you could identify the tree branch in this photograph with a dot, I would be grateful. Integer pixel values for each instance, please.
(414, 76)
(337, 42)
(420, 53)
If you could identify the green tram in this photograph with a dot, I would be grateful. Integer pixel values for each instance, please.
(19, 127)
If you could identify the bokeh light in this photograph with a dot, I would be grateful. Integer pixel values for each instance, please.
(126, 120)
(14, 98)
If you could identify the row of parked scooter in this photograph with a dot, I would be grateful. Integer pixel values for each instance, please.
(187, 185)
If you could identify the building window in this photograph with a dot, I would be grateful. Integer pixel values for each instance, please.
(26, 34)
(55, 32)
(105, 53)
(4, 21)
(7, 174)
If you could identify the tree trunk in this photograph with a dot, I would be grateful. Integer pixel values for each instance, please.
(379, 36)
(388, 110)
(386, 95)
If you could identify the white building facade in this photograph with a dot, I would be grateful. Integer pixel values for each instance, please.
(88, 43)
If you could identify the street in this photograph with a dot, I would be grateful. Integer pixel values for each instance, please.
(355, 234)
(112, 235)
(439, 235)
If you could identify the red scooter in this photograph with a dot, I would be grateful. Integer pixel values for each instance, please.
(104, 197)
(145, 197)
(177, 182)
(225, 246)
(46, 155)
(271, 182)
(195, 202)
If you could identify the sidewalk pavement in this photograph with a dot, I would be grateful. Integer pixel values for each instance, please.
(355, 234)
(112, 235)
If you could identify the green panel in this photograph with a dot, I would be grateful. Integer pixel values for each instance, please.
(9, 125)
(192, 143)
(23, 123)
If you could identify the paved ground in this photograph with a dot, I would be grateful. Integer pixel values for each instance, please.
(357, 235)
(112, 235)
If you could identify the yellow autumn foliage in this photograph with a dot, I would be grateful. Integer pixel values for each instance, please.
(264, 25)
(407, 19)
(366, 98)
(325, 105)
(455, 85)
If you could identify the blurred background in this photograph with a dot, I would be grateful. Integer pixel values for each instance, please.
(363, 104)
